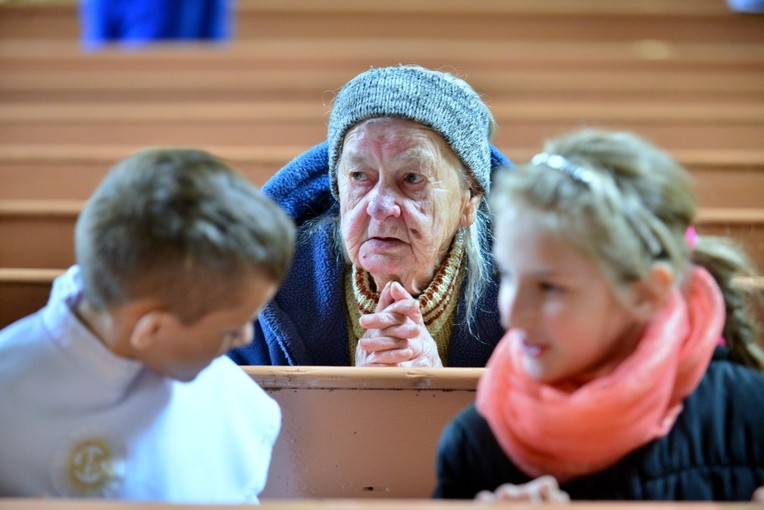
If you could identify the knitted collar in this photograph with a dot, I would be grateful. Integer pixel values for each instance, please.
(570, 432)
(433, 300)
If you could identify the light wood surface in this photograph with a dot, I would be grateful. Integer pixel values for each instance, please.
(345, 504)
(53, 172)
(352, 432)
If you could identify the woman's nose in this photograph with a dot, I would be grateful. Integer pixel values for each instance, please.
(382, 204)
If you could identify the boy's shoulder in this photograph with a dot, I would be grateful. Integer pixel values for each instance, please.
(21, 344)
(224, 385)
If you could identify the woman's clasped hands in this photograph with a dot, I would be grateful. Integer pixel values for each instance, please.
(395, 333)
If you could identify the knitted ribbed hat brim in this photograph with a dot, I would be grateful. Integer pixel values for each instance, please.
(435, 99)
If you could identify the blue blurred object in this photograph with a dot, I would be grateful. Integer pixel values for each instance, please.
(752, 6)
(139, 22)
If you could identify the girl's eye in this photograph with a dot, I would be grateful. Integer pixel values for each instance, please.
(550, 288)
(504, 276)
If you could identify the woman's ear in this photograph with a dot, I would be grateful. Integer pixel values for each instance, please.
(150, 327)
(469, 213)
(652, 292)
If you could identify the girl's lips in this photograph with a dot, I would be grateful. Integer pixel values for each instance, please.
(531, 350)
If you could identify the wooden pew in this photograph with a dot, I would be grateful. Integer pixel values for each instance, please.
(40, 233)
(687, 77)
(83, 78)
(72, 172)
(348, 433)
(527, 18)
(521, 122)
(58, 172)
(653, 60)
(25, 290)
(363, 504)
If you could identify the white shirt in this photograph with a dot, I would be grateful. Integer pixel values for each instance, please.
(78, 421)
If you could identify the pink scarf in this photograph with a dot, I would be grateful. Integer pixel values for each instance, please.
(569, 432)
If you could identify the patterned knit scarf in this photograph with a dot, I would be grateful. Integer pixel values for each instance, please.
(437, 303)
(569, 432)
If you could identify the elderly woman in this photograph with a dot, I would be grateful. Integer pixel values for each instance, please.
(392, 266)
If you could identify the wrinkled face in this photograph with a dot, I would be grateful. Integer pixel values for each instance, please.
(571, 325)
(181, 351)
(402, 198)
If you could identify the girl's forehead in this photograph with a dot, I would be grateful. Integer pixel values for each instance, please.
(524, 233)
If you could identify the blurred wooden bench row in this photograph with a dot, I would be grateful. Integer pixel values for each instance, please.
(38, 245)
(526, 18)
(723, 177)
(522, 122)
(84, 80)
(688, 74)
(39, 233)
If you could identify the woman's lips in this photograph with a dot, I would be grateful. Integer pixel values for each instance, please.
(382, 243)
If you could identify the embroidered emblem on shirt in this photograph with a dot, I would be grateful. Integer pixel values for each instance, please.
(90, 466)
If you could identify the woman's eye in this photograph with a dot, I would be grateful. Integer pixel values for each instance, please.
(414, 178)
(357, 176)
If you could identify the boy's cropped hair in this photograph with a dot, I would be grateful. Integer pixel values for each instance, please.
(179, 226)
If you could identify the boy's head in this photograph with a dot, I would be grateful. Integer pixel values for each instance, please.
(179, 229)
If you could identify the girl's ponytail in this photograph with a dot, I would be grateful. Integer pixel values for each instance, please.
(729, 265)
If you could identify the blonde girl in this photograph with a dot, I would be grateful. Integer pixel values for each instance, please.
(630, 368)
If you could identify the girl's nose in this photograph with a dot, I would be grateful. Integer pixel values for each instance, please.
(518, 312)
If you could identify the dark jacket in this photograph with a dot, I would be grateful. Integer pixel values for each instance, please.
(715, 451)
(306, 322)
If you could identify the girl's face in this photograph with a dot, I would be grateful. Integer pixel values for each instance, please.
(401, 200)
(571, 326)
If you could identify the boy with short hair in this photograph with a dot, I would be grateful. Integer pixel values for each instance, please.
(116, 388)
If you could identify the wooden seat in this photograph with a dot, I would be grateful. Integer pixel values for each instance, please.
(724, 177)
(40, 233)
(522, 122)
(369, 434)
(24, 290)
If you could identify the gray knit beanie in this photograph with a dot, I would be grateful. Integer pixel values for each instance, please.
(435, 99)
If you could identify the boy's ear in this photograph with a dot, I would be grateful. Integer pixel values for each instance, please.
(150, 327)
(470, 209)
(652, 292)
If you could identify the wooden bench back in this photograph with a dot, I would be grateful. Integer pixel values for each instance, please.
(360, 433)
